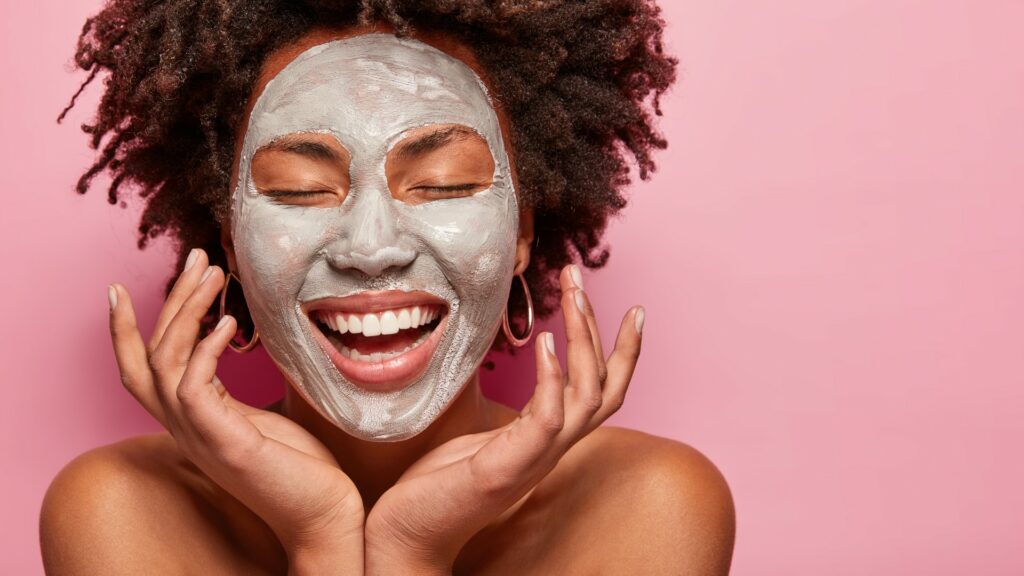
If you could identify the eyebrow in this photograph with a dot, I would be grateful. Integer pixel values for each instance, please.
(308, 148)
(432, 141)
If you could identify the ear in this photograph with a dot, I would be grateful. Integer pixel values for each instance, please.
(525, 240)
(228, 244)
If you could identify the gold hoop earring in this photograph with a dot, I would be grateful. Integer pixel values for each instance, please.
(223, 302)
(516, 341)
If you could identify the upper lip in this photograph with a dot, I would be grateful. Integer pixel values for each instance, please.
(373, 301)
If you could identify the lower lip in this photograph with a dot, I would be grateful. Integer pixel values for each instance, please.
(387, 375)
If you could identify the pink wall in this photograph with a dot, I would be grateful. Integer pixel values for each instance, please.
(832, 258)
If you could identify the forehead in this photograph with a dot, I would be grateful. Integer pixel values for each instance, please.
(370, 86)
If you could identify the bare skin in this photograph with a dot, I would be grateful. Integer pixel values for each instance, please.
(619, 502)
(581, 500)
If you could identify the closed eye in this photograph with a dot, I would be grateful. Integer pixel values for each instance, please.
(450, 190)
(303, 198)
(295, 193)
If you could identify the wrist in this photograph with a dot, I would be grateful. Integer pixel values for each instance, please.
(338, 553)
(334, 548)
(387, 564)
(391, 556)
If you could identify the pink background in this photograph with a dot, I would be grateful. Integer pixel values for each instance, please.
(832, 259)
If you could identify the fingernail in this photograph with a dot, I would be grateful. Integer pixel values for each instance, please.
(223, 322)
(206, 274)
(112, 296)
(549, 342)
(639, 319)
(579, 301)
(577, 278)
(191, 258)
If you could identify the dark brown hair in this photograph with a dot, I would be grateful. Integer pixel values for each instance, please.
(579, 81)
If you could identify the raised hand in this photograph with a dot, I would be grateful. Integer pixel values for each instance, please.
(271, 464)
(421, 523)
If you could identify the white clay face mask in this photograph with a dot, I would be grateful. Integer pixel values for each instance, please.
(378, 311)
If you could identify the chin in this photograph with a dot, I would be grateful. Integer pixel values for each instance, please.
(381, 366)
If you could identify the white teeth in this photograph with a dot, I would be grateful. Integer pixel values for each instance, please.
(388, 323)
(353, 354)
(378, 323)
(371, 325)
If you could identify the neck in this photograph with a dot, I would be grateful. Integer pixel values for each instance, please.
(376, 466)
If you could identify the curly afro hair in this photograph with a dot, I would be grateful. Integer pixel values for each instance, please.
(579, 81)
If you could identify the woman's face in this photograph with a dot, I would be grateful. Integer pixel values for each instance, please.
(374, 227)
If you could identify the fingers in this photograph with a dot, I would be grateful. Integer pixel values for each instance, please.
(171, 356)
(131, 353)
(199, 384)
(202, 400)
(195, 266)
(546, 407)
(596, 389)
(504, 459)
(583, 389)
(576, 278)
(621, 363)
(175, 379)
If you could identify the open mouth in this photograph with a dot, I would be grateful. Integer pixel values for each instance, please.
(380, 341)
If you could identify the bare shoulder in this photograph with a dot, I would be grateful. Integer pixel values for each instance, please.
(136, 506)
(661, 505)
(618, 502)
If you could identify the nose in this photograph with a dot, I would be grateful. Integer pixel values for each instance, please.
(373, 242)
(375, 263)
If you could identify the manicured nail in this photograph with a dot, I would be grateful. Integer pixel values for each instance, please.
(223, 322)
(577, 278)
(192, 256)
(206, 274)
(580, 303)
(639, 319)
(112, 296)
(549, 342)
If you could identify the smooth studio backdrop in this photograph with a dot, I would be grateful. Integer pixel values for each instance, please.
(831, 256)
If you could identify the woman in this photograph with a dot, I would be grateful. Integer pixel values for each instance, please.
(376, 176)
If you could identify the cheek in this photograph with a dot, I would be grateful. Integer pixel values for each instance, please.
(276, 245)
(472, 239)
